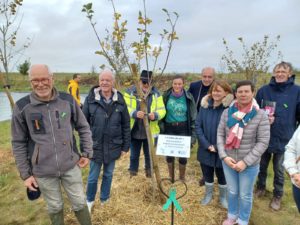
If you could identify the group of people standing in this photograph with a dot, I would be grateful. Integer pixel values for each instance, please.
(233, 129)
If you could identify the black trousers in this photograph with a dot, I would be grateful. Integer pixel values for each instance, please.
(208, 174)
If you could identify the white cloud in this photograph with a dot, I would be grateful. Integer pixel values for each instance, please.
(63, 37)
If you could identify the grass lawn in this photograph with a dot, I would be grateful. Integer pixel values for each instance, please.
(16, 209)
(20, 83)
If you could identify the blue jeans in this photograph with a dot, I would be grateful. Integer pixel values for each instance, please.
(135, 150)
(278, 169)
(240, 192)
(92, 183)
(296, 194)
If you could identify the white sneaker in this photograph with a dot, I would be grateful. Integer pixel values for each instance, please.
(90, 206)
(104, 202)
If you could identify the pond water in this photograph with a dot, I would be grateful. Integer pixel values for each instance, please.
(5, 110)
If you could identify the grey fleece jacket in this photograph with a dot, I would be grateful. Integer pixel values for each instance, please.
(254, 142)
(42, 136)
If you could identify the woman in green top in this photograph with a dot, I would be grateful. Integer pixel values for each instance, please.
(180, 118)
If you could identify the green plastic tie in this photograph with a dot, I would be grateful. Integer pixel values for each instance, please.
(172, 199)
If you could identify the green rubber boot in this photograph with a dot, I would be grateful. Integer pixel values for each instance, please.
(83, 216)
(57, 218)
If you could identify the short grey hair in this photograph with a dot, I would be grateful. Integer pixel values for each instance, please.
(46, 66)
(209, 68)
(107, 70)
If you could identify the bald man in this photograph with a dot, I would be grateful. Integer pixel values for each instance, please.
(199, 89)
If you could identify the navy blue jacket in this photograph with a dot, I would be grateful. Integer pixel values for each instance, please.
(207, 123)
(287, 98)
(198, 90)
(110, 128)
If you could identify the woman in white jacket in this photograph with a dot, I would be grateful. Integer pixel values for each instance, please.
(292, 164)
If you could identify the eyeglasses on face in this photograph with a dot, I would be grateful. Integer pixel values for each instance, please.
(145, 82)
(42, 81)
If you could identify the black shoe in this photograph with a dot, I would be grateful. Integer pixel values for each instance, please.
(201, 182)
(148, 173)
(132, 173)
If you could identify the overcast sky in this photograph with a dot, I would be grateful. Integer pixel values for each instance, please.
(63, 37)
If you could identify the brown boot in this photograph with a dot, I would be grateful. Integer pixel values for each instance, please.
(182, 172)
(275, 203)
(170, 169)
(259, 192)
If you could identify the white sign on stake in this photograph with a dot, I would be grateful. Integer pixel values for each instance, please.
(173, 145)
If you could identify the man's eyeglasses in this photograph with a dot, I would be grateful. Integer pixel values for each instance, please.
(42, 81)
(145, 82)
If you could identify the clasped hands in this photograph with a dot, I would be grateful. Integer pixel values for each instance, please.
(141, 114)
(211, 148)
(296, 178)
(271, 118)
(237, 166)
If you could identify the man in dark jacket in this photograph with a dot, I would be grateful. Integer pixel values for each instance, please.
(42, 141)
(107, 114)
(281, 100)
(199, 89)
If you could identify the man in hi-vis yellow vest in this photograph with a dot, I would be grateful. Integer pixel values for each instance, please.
(156, 111)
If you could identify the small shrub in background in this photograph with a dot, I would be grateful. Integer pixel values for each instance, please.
(23, 68)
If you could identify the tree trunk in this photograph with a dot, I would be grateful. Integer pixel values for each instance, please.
(153, 157)
(10, 98)
(6, 89)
